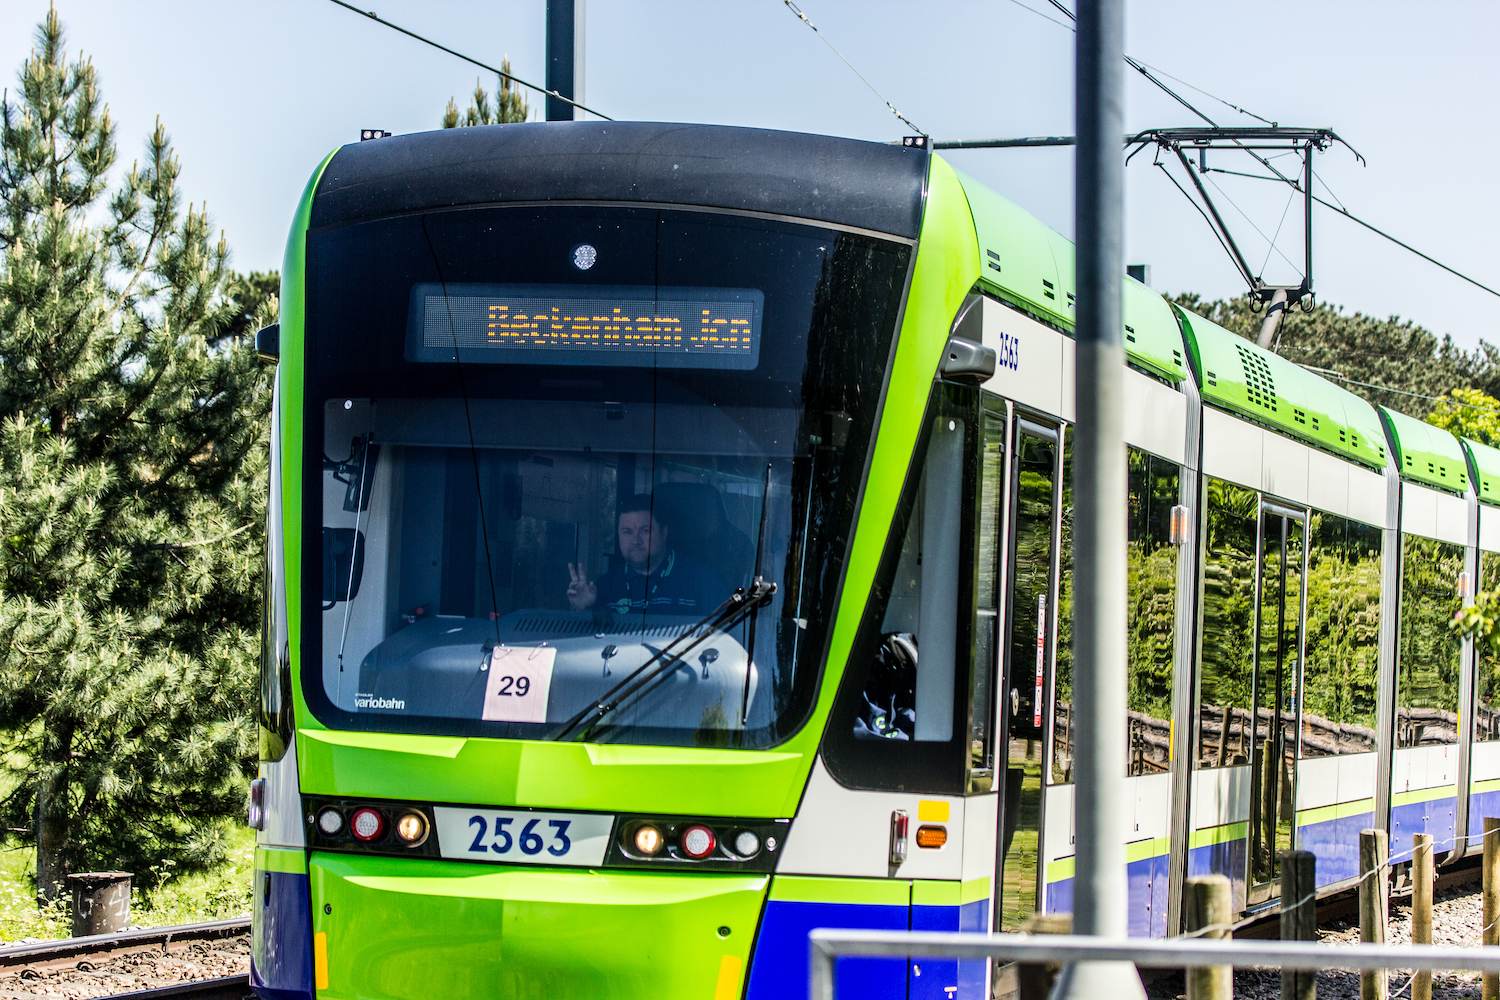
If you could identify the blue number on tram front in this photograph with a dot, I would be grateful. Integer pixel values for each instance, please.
(531, 841)
(501, 822)
(561, 844)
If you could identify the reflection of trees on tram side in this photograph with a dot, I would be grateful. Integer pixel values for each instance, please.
(1151, 569)
(1227, 663)
(1343, 636)
(1487, 712)
(1428, 654)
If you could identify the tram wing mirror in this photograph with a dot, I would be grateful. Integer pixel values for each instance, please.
(268, 342)
(967, 361)
(343, 564)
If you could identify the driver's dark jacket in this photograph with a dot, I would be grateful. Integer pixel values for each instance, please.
(680, 586)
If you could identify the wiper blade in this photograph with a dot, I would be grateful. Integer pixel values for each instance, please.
(739, 604)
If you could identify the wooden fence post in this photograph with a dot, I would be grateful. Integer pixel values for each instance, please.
(1491, 989)
(1299, 919)
(1374, 905)
(1207, 903)
(1422, 876)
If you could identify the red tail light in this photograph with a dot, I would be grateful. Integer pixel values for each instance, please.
(367, 824)
(697, 841)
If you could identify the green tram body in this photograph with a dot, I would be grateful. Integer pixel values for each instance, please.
(1295, 556)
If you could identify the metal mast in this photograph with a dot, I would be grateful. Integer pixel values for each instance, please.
(564, 57)
(1099, 491)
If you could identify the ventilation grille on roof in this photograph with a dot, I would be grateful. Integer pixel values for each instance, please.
(1260, 387)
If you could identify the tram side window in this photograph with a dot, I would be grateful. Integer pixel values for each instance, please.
(1340, 665)
(1226, 675)
(1428, 652)
(987, 602)
(1487, 717)
(1151, 613)
(909, 695)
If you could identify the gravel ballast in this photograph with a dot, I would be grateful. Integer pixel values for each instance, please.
(1457, 918)
(147, 968)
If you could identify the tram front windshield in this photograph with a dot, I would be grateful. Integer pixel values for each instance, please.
(553, 452)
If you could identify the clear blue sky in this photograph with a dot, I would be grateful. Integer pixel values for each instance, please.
(255, 93)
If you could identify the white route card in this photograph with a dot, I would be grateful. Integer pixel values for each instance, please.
(520, 678)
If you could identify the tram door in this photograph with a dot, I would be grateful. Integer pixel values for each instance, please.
(1278, 661)
(1028, 664)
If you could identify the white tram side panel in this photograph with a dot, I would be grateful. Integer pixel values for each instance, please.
(1279, 759)
(1036, 371)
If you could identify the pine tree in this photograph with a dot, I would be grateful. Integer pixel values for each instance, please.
(510, 106)
(132, 492)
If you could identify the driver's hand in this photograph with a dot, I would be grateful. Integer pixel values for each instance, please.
(581, 591)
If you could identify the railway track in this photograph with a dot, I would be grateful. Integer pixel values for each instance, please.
(226, 988)
(89, 956)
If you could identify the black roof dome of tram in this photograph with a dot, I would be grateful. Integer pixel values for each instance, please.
(849, 182)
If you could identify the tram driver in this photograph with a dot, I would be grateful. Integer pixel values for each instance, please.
(649, 575)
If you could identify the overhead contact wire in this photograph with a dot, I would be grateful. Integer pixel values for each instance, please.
(805, 20)
(1297, 186)
(470, 59)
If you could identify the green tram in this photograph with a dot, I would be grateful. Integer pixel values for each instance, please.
(669, 554)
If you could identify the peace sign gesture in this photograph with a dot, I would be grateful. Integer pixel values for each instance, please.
(581, 590)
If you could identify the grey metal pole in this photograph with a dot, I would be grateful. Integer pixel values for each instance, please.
(1099, 492)
(564, 56)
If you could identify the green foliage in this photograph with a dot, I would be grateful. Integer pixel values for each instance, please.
(1469, 413)
(218, 893)
(132, 492)
(1354, 348)
(1478, 619)
(510, 106)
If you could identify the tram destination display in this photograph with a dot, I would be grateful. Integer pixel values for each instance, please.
(639, 326)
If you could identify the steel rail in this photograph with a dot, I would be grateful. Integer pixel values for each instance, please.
(224, 988)
(68, 948)
(825, 946)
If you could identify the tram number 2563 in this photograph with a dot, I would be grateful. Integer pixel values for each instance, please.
(526, 839)
(522, 836)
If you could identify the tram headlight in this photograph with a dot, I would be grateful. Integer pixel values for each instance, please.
(746, 844)
(411, 828)
(330, 821)
(367, 824)
(648, 840)
(697, 841)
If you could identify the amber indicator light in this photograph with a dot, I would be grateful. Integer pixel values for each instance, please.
(932, 836)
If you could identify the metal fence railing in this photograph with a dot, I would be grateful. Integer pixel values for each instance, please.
(826, 946)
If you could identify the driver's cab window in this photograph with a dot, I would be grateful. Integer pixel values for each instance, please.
(910, 692)
(901, 721)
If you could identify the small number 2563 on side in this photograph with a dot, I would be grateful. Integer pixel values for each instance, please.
(512, 837)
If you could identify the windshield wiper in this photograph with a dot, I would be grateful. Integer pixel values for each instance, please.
(742, 602)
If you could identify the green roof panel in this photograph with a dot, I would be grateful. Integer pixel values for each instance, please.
(1030, 265)
(1235, 375)
(1427, 454)
(1018, 262)
(1485, 463)
(1153, 339)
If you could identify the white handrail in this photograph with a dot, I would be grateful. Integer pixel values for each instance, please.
(826, 945)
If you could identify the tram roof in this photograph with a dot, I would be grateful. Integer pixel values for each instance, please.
(1426, 454)
(1484, 465)
(1032, 266)
(1236, 375)
(865, 185)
